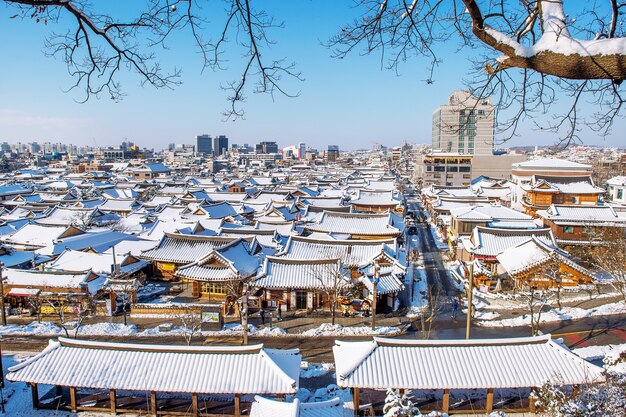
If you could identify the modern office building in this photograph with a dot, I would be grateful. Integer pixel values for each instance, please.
(333, 153)
(220, 145)
(204, 144)
(465, 125)
(301, 150)
(266, 147)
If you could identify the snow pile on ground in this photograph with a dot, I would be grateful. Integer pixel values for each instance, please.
(328, 329)
(44, 328)
(420, 294)
(325, 394)
(311, 370)
(111, 329)
(485, 315)
(592, 353)
(566, 313)
(615, 360)
(252, 330)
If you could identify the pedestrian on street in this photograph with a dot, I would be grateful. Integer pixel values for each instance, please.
(262, 315)
(455, 308)
(279, 314)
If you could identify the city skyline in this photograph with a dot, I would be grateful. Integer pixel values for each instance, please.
(351, 101)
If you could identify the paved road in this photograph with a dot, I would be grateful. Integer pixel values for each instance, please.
(589, 331)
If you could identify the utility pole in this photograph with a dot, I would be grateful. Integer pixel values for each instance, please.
(470, 296)
(374, 293)
(245, 314)
(4, 312)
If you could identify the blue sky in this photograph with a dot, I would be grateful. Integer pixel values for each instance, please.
(350, 102)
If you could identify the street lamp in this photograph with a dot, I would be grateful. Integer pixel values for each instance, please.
(4, 312)
(246, 293)
(374, 292)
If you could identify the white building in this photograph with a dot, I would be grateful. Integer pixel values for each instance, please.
(617, 190)
(464, 125)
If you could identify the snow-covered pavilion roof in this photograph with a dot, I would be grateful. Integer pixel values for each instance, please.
(162, 368)
(459, 364)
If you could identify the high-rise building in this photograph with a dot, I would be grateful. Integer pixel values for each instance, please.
(301, 150)
(266, 147)
(220, 145)
(204, 144)
(333, 153)
(464, 125)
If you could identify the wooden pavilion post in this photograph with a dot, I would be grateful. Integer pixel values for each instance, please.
(237, 405)
(73, 402)
(446, 401)
(355, 400)
(489, 400)
(153, 402)
(113, 401)
(531, 401)
(194, 404)
(34, 391)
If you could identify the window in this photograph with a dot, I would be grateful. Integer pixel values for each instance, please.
(465, 169)
(620, 194)
(453, 169)
(212, 288)
(440, 169)
(568, 229)
(576, 199)
(429, 168)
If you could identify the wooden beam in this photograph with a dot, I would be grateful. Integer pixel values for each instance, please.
(355, 400)
(34, 391)
(153, 402)
(531, 400)
(237, 405)
(280, 397)
(113, 401)
(575, 391)
(194, 404)
(489, 400)
(446, 401)
(73, 402)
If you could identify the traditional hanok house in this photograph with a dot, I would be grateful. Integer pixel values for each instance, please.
(502, 368)
(367, 201)
(101, 263)
(496, 190)
(385, 276)
(97, 241)
(300, 284)
(269, 240)
(617, 191)
(485, 243)
(175, 250)
(36, 236)
(582, 225)
(71, 291)
(81, 217)
(265, 407)
(123, 207)
(534, 264)
(184, 380)
(11, 192)
(282, 213)
(319, 204)
(223, 271)
(150, 171)
(464, 219)
(543, 191)
(19, 259)
(358, 226)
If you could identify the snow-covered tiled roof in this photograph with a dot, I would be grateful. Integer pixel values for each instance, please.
(162, 368)
(80, 281)
(305, 274)
(351, 252)
(488, 241)
(179, 248)
(229, 262)
(459, 364)
(574, 214)
(264, 407)
(355, 224)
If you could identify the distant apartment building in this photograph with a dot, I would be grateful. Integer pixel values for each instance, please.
(266, 147)
(204, 144)
(441, 168)
(220, 145)
(333, 153)
(301, 150)
(465, 125)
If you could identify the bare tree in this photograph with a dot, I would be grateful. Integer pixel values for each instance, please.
(190, 320)
(526, 53)
(428, 318)
(34, 303)
(79, 313)
(609, 255)
(331, 280)
(536, 301)
(124, 289)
